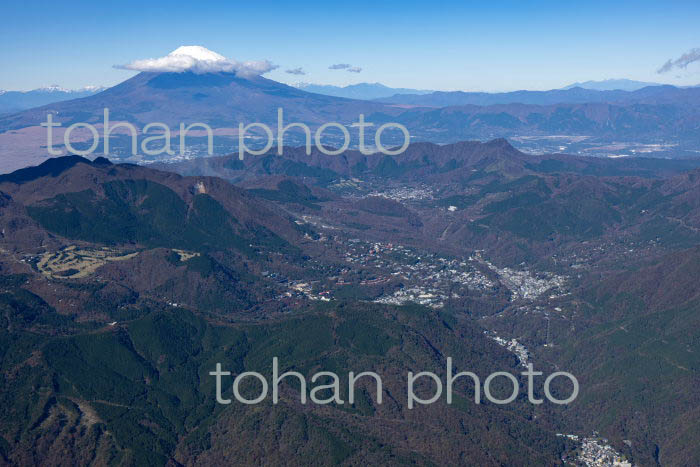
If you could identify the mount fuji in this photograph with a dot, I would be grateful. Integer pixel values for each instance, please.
(194, 84)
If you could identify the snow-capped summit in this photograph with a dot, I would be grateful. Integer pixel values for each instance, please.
(14, 101)
(198, 59)
(53, 88)
(198, 53)
(57, 89)
(91, 89)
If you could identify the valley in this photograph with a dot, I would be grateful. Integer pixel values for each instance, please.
(519, 252)
(331, 234)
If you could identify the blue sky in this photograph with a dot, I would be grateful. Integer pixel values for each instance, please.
(451, 45)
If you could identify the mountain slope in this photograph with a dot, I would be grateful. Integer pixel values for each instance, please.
(111, 323)
(123, 285)
(647, 320)
(140, 392)
(155, 233)
(222, 100)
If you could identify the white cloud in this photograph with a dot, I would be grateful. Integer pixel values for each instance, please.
(346, 67)
(198, 60)
(296, 71)
(693, 55)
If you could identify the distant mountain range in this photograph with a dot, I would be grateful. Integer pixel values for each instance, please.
(569, 95)
(15, 101)
(370, 91)
(223, 100)
(366, 91)
(612, 85)
(655, 119)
